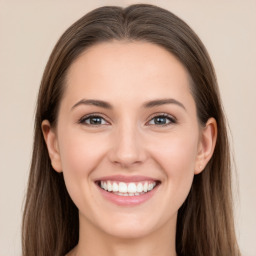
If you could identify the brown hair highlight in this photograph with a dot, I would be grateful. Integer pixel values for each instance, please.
(205, 223)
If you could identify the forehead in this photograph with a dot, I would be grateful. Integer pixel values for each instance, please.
(126, 69)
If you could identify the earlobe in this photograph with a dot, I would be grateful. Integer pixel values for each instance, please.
(51, 141)
(206, 145)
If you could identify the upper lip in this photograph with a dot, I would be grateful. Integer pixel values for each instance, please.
(126, 179)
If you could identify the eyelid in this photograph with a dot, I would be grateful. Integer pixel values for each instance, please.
(172, 119)
(97, 114)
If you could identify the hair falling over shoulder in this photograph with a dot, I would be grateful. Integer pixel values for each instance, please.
(205, 221)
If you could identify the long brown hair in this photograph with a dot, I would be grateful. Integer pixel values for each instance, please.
(205, 223)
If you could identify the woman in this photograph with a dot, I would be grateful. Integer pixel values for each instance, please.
(126, 156)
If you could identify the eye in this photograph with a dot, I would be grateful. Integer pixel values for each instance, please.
(162, 120)
(93, 120)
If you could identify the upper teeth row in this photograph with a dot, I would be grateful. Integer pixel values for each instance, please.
(127, 187)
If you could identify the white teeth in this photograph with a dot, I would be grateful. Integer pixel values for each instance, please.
(145, 187)
(150, 186)
(131, 188)
(109, 186)
(115, 187)
(139, 188)
(127, 189)
(122, 187)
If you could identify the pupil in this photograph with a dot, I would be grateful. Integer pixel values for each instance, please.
(160, 120)
(95, 120)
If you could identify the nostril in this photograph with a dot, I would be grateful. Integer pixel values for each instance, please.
(127, 152)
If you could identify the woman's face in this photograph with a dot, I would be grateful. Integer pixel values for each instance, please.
(127, 121)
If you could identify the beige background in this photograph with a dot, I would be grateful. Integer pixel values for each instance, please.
(28, 32)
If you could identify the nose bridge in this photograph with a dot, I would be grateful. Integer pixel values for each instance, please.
(127, 144)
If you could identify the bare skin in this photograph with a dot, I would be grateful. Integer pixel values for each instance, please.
(146, 126)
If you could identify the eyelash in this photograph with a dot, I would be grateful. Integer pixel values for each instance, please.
(171, 119)
(90, 116)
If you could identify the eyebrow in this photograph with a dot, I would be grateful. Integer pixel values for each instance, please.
(98, 103)
(159, 102)
(148, 104)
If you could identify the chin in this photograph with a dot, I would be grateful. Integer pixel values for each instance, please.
(129, 233)
(129, 228)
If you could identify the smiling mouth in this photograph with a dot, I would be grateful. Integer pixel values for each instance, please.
(127, 188)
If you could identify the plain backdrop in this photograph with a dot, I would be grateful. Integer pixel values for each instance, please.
(28, 32)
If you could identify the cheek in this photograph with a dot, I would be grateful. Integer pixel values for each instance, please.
(80, 156)
(79, 152)
(177, 157)
(177, 154)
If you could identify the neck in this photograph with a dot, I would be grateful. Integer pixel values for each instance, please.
(93, 241)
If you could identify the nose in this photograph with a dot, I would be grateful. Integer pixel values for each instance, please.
(127, 147)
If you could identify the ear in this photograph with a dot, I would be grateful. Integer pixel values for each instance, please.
(206, 145)
(51, 141)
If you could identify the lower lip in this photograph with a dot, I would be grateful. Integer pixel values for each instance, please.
(127, 200)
